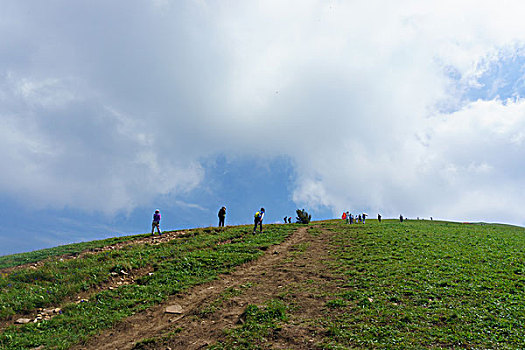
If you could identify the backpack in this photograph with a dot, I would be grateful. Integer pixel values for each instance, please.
(257, 215)
(344, 216)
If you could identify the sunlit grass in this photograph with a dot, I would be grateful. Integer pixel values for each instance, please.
(177, 265)
(423, 284)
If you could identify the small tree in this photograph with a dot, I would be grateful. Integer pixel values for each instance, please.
(303, 217)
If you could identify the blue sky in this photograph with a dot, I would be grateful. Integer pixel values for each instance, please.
(110, 110)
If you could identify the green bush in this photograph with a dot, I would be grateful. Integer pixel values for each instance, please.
(303, 217)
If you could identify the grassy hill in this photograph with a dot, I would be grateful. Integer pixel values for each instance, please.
(328, 285)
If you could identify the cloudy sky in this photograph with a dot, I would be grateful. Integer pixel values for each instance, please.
(109, 110)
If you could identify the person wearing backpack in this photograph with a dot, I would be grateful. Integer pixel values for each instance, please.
(258, 219)
(156, 222)
(222, 216)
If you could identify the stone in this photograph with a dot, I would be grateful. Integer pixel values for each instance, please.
(174, 309)
(23, 320)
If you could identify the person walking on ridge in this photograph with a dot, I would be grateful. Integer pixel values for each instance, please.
(258, 219)
(156, 222)
(222, 216)
(379, 217)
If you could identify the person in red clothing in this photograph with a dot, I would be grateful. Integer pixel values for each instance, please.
(156, 222)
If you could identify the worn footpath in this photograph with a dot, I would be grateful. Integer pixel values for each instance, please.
(294, 271)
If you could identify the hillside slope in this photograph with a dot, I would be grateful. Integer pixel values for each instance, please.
(417, 284)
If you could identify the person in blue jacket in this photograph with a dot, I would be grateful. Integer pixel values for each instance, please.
(156, 222)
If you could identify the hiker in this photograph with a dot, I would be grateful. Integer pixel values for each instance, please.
(364, 217)
(345, 217)
(156, 222)
(258, 219)
(289, 219)
(285, 219)
(222, 216)
(359, 218)
(400, 218)
(379, 217)
(351, 219)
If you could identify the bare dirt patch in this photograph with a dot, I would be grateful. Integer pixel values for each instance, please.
(293, 271)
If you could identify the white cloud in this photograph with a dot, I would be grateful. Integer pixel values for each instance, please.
(354, 93)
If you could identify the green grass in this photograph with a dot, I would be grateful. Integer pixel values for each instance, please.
(224, 296)
(260, 323)
(411, 285)
(423, 284)
(26, 289)
(69, 249)
(178, 264)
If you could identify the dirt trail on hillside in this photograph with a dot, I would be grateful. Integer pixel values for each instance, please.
(293, 271)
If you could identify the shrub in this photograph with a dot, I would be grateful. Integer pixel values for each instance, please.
(303, 217)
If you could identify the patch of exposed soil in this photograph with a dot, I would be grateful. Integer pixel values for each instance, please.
(293, 271)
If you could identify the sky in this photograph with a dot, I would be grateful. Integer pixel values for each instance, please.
(110, 110)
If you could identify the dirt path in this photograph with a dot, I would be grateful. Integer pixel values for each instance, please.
(293, 271)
